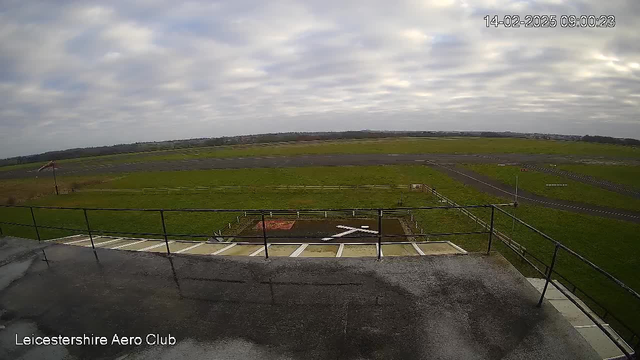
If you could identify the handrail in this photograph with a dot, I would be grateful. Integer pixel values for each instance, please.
(550, 271)
(488, 228)
(582, 258)
(260, 210)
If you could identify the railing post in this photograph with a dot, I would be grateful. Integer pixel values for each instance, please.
(35, 225)
(379, 234)
(491, 229)
(86, 220)
(549, 273)
(264, 236)
(164, 231)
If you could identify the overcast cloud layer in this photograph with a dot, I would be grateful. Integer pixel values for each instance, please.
(85, 74)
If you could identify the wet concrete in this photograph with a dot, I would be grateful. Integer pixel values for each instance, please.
(439, 307)
(12, 249)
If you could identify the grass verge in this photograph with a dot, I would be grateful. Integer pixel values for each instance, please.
(535, 182)
(609, 243)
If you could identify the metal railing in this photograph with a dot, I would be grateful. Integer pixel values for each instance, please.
(379, 213)
(370, 212)
(522, 252)
(550, 271)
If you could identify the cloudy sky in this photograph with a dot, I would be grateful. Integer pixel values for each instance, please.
(77, 73)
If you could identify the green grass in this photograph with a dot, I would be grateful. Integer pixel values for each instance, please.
(29, 188)
(621, 174)
(361, 175)
(609, 243)
(461, 145)
(535, 182)
(408, 146)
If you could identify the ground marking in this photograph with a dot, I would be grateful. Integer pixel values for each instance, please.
(259, 250)
(350, 230)
(586, 326)
(155, 246)
(339, 235)
(417, 249)
(125, 245)
(457, 247)
(299, 250)
(189, 248)
(223, 249)
(340, 250)
(64, 238)
(106, 242)
(77, 241)
(357, 229)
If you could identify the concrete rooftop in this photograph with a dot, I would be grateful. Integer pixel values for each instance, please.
(422, 307)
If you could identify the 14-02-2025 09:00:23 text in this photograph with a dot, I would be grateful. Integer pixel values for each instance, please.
(551, 21)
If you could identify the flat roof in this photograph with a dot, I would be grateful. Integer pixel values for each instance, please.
(448, 307)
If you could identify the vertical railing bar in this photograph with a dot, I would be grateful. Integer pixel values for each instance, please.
(549, 273)
(379, 234)
(164, 231)
(264, 236)
(86, 220)
(35, 225)
(491, 230)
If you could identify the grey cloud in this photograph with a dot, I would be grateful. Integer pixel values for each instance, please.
(91, 73)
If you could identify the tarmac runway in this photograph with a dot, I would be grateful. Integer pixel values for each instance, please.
(88, 168)
(445, 160)
(494, 187)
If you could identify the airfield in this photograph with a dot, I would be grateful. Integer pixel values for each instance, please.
(596, 211)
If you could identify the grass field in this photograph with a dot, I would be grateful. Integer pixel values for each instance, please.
(620, 174)
(372, 146)
(535, 182)
(609, 243)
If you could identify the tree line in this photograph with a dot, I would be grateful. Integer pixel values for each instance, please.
(290, 137)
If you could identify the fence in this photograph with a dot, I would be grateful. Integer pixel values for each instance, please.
(488, 229)
(200, 189)
(378, 213)
(632, 336)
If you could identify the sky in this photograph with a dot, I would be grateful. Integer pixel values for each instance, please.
(83, 73)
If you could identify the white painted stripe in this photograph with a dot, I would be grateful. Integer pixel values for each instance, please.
(155, 246)
(125, 245)
(457, 247)
(415, 246)
(223, 249)
(585, 326)
(299, 250)
(340, 250)
(77, 241)
(64, 237)
(357, 229)
(189, 248)
(345, 233)
(259, 250)
(381, 254)
(105, 242)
